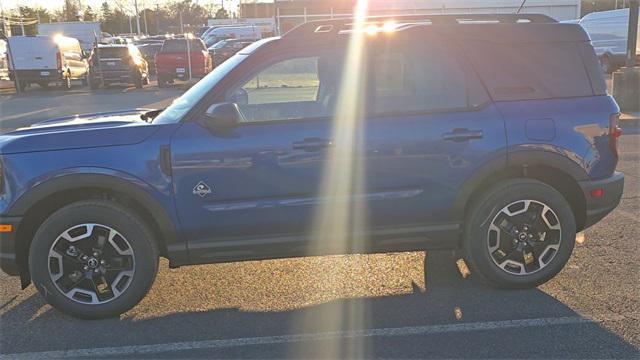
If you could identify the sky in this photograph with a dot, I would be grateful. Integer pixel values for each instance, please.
(57, 4)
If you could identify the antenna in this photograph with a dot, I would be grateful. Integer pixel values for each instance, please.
(521, 6)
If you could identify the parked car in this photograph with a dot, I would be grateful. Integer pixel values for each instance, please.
(608, 32)
(457, 148)
(178, 56)
(149, 52)
(201, 30)
(44, 60)
(245, 32)
(222, 50)
(124, 64)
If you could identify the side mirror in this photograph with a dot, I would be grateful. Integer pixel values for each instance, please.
(222, 117)
(240, 96)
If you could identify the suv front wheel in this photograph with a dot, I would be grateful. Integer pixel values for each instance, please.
(519, 234)
(93, 259)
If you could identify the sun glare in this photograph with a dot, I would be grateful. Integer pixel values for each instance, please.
(340, 218)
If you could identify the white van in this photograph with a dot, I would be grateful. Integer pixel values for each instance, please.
(44, 60)
(608, 33)
(250, 33)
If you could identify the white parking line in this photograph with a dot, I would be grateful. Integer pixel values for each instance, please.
(284, 339)
(23, 114)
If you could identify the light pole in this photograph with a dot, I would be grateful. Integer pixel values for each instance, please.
(144, 14)
(625, 81)
(632, 37)
(135, 5)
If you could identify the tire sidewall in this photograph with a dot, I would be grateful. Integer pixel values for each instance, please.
(136, 233)
(494, 201)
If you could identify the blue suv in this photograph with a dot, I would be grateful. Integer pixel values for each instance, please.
(491, 135)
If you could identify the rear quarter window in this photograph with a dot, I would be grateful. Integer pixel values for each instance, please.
(530, 71)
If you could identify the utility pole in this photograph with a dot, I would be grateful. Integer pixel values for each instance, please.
(632, 32)
(135, 5)
(625, 81)
(21, 22)
(144, 14)
(157, 19)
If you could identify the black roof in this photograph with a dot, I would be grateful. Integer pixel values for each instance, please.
(483, 27)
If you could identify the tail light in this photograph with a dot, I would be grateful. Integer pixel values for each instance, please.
(614, 133)
(59, 60)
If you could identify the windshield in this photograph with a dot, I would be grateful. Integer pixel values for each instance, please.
(180, 106)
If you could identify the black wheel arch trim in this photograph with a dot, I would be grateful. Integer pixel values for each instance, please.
(520, 161)
(175, 251)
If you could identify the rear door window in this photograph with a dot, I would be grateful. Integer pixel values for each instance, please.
(421, 77)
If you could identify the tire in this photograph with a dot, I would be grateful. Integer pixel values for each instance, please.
(20, 86)
(137, 81)
(94, 84)
(162, 82)
(539, 247)
(606, 65)
(66, 83)
(136, 255)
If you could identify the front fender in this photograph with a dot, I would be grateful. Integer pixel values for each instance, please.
(158, 204)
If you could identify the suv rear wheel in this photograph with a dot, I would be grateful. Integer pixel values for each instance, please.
(66, 82)
(137, 81)
(93, 259)
(94, 83)
(162, 81)
(519, 234)
(605, 64)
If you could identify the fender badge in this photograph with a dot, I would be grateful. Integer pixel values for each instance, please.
(202, 189)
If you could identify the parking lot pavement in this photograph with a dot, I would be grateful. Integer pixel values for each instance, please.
(38, 104)
(384, 305)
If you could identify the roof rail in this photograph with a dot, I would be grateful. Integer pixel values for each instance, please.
(335, 26)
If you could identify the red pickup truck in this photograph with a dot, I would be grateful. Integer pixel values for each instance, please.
(172, 61)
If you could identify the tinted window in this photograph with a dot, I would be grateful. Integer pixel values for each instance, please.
(530, 71)
(177, 45)
(149, 50)
(113, 52)
(411, 77)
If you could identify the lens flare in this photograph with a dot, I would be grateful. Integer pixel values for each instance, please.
(389, 27)
(372, 30)
(340, 219)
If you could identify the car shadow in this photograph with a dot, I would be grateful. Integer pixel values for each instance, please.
(32, 326)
